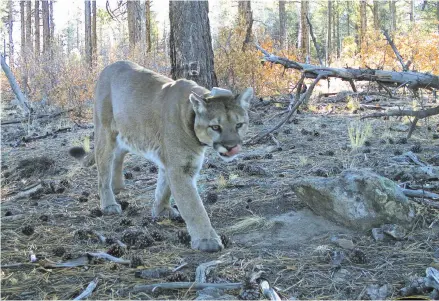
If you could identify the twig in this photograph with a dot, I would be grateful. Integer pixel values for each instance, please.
(275, 140)
(106, 256)
(191, 285)
(179, 267)
(89, 290)
(203, 269)
(427, 202)
(302, 99)
(269, 292)
(18, 265)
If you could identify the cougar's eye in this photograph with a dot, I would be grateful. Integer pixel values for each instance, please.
(239, 125)
(216, 128)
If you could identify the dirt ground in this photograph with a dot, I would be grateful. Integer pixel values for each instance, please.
(250, 203)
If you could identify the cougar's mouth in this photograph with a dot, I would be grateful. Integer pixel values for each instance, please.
(229, 154)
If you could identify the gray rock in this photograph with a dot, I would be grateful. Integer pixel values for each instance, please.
(358, 199)
(212, 293)
(378, 234)
(395, 231)
(377, 292)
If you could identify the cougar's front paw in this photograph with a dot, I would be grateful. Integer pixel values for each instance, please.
(112, 209)
(207, 244)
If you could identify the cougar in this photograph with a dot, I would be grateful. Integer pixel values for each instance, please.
(170, 123)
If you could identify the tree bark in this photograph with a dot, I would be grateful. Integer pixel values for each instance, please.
(348, 17)
(46, 28)
(148, 25)
(29, 42)
(304, 38)
(337, 30)
(392, 10)
(245, 19)
(328, 34)
(37, 28)
(412, 11)
(94, 37)
(87, 34)
(437, 15)
(363, 20)
(23, 29)
(52, 25)
(133, 18)
(14, 85)
(376, 15)
(10, 31)
(282, 25)
(190, 42)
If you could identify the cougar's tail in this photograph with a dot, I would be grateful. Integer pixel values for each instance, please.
(85, 158)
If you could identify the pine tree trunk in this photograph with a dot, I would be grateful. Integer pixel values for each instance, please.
(52, 25)
(87, 34)
(148, 25)
(14, 85)
(363, 21)
(304, 37)
(10, 30)
(190, 42)
(337, 26)
(392, 10)
(437, 15)
(376, 15)
(37, 28)
(131, 24)
(412, 11)
(328, 34)
(46, 28)
(29, 42)
(348, 21)
(282, 25)
(23, 29)
(245, 19)
(94, 37)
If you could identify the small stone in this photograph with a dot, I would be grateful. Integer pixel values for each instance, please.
(28, 230)
(128, 175)
(343, 243)
(377, 292)
(395, 231)
(378, 234)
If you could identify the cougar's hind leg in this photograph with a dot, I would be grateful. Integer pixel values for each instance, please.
(118, 182)
(105, 148)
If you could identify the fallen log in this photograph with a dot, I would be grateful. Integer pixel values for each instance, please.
(411, 79)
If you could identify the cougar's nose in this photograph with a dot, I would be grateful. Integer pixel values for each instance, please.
(233, 150)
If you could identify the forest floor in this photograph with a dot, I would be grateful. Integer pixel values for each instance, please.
(50, 209)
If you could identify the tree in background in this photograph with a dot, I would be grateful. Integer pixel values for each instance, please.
(37, 28)
(46, 29)
(304, 30)
(245, 20)
(283, 42)
(190, 42)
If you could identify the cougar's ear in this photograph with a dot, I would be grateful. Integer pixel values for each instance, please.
(245, 97)
(198, 102)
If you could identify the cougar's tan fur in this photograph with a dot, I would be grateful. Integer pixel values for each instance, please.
(171, 123)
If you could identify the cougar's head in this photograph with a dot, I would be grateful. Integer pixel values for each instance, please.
(221, 120)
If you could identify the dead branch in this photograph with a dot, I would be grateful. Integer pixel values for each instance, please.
(416, 114)
(25, 120)
(203, 269)
(420, 193)
(268, 291)
(395, 50)
(87, 292)
(188, 285)
(314, 40)
(298, 102)
(411, 79)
